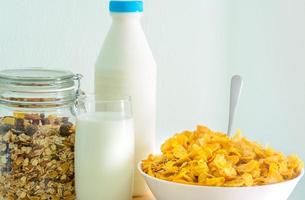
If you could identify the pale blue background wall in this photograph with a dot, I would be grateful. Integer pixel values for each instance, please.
(198, 45)
(267, 46)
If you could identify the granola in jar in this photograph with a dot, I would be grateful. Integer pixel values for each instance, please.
(36, 157)
(38, 108)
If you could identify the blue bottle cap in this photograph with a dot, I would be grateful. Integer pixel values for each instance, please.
(125, 6)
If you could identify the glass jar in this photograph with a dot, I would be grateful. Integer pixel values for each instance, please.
(37, 118)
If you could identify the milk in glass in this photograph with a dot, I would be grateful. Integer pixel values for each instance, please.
(104, 152)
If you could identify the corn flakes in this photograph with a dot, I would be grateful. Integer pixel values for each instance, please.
(205, 157)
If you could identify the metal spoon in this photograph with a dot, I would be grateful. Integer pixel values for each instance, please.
(236, 85)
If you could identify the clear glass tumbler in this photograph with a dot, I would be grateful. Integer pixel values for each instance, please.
(104, 149)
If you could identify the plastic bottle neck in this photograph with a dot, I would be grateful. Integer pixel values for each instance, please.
(126, 17)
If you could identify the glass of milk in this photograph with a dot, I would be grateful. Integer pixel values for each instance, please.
(104, 150)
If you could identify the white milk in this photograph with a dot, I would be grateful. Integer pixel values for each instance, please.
(125, 66)
(104, 157)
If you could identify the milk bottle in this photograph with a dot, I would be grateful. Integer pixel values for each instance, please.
(125, 66)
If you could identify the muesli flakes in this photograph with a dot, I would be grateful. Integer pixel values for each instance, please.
(36, 158)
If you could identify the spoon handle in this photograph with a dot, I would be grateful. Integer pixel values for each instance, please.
(236, 85)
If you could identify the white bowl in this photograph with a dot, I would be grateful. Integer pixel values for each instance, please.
(166, 190)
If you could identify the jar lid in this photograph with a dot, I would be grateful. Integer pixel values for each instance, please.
(36, 75)
(38, 85)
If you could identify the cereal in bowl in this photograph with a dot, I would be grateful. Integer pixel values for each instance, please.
(206, 157)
